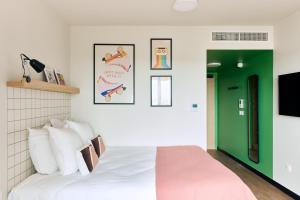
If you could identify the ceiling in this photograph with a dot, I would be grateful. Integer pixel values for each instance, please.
(160, 12)
(230, 58)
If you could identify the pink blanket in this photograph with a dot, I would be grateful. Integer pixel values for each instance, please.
(189, 173)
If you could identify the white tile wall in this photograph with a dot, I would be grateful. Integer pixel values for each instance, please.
(29, 109)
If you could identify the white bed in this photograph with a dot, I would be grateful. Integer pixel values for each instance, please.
(122, 173)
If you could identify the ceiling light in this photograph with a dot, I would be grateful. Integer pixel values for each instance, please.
(185, 5)
(214, 64)
(240, 64)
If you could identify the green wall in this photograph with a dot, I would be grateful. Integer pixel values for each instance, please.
(232, 128)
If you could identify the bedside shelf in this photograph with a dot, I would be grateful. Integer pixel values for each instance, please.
(44, 86)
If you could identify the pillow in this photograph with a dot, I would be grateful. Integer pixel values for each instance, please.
(98, 145)
(84, 130)
(87, 159)
(57, 123)
(64, 143)
(40, 151)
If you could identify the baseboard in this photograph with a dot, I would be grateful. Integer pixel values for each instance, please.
(271, 181)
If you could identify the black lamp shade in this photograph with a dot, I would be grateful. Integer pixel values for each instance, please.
(37, 65)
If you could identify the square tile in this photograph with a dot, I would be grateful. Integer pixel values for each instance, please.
(11, 150)
(10, 115)
(17, 125)
(10, 92)
(10, 104)
(10, 162)
(11, 138)
(23, 104)
(28, 94)
(17, 93)
(17, 179)
(23, 156)
(17, 103)
(10, 173)
(23, 93)
(17, 115)
(10, 127)
(17, 148)
(23, 124)
(28, 103)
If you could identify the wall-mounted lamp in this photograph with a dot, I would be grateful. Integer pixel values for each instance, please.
(35, 64)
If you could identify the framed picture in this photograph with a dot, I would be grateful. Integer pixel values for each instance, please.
(161, 91)
(50, 76)
(161, 53)
(59, 77)
(114, 73)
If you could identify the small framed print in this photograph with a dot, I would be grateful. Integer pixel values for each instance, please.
(59, 77)
(114, 74)
(50, 75)
(161, 53)
(161, 91)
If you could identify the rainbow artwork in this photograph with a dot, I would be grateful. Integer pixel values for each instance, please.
(161, 54)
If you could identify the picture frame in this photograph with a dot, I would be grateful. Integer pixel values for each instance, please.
(114, 74)
(50, 75)
(59, 77)
(161, 53)
(161, 90)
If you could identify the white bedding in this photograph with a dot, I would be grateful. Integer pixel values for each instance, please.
(123, 173)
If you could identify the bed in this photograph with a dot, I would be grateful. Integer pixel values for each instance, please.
(141, 173)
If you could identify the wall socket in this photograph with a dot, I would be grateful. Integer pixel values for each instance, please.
(289, 167)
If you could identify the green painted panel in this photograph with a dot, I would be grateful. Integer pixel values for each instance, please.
(232, 128)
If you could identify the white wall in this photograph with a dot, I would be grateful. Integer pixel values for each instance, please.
(33, 28)
(141, 124)
(286, 133)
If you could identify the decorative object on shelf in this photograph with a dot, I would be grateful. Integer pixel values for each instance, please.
(35, 64)
(114, 73)
(161, 53)
(59, 77)
(50, 75)
(161, 91)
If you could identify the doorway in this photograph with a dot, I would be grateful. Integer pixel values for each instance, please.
(211, 109)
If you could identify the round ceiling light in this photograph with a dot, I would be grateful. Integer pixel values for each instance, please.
(185, 5)
(214, 64)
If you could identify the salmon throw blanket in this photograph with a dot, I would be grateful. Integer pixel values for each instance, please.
(190, 173)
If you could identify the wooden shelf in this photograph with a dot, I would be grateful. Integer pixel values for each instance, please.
(44, 86)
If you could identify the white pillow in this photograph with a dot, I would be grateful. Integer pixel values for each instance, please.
(57, 123)
(84, 130)
(40, 151)
(64, 143)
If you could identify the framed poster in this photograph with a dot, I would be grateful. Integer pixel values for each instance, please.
(161, 53)
(114, 73)
(161, 91)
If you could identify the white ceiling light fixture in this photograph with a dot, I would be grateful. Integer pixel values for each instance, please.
(214, 64)
(185, 5)
(240, 64)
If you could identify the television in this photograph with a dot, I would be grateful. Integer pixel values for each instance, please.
(289, 94)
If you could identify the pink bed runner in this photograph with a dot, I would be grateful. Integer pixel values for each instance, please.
(189, 173)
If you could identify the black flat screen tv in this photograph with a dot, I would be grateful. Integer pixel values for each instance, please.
(289, 94)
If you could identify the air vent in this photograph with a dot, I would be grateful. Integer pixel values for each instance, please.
(254, 36)
(239, 36)
(221, 36)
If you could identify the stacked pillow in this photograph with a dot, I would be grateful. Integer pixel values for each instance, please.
(67, 146)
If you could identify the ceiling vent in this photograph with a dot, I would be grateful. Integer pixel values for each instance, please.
(225, 36)
(239, 36)
(254, 36)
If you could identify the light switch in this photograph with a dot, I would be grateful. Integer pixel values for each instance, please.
(241, 103)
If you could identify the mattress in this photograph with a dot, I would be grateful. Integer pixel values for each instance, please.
(142, 173)
(122, 173)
